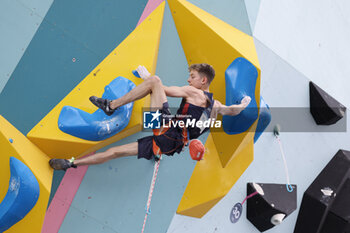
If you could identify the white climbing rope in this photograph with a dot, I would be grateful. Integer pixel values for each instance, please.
(154, 178)
(284, 161)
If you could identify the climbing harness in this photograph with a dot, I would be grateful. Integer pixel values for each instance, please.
(162, 131)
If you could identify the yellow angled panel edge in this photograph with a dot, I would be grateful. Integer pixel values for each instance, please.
(24, 150)
(207, 39)
(210, 181)
(197, 28)
(228, 146)
(140, 47)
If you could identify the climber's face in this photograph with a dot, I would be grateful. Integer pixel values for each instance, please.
(196, 80)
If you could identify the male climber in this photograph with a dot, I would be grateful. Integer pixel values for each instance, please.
(197, 103)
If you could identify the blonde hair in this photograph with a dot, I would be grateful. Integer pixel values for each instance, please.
(204, 70)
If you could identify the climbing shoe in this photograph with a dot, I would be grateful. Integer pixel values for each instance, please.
(102, 104)
(61, 164)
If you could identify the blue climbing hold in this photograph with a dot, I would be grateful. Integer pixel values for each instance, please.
(11, 140)
(98, 126)
(21, 197)
(264, 119)
(136, 74)
(240, 77)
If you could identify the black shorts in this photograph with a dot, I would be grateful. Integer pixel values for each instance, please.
(169, 142)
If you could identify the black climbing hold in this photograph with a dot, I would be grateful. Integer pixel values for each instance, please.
(271, 205)
(325, 207)
(324, 108)
(338, 217)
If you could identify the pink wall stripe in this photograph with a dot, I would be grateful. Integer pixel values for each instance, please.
(151, 5)
(63, 198)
